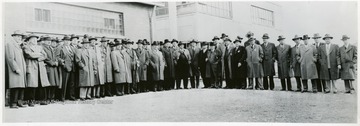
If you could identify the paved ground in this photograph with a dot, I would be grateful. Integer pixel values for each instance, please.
(200, 105)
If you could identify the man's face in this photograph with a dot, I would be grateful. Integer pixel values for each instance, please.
(86, 45)
(327, 40)
(317, 40)
(140, 45)
(175, 44)
(345, 41)
(33, 40)
(297, 41)
(306, 41)
(204, 47)
(66, 42)
(212, 47)
(74, 41)
(193, 44)
(17, 38)
(53, 44)
(281, 41)
(181, 46)
(237, 44)
(265, 40)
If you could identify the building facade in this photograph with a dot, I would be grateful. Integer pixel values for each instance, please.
(111, 19)
(203, 20)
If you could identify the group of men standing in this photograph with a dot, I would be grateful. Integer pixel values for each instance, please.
(47, 69)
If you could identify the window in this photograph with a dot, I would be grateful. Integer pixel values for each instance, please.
(121, 24)
(220, 9)
(162, 10)
(109, 23)
(42, 15)
(262, 16)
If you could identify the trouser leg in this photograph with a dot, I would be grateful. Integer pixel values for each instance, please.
(327, 86)
(178, 83)
(31, 93)
(305, 85)
(260, 83)
(265, 81)
(197, 80)
(347, 86)
(314, 85)
(88, 92)
(65, 81)
(185, 81)
(298, 83)
(14, 94)
(333, 82)
(71, 86)
(251, 83)
(192, 81)
(289, 88)
(272, 85)
(283, 86)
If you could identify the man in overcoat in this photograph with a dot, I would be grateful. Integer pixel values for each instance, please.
(227, 56)
(16, 65)
(67, 55)
(254, 60)
(143, 56)
(270, 54)
(283, 61)
(202, 64)
(295, 64)
(169, 73)
(119, 68)
(238, 65)
(348, 60)
(52, 64)
(194, 53)
(157, 66)
(105, 90)
(307, 56)
(183, 60)
(321, 84)
(213, 59)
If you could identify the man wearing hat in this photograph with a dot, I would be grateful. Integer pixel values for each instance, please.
(270, 54)
(156, 65)
(194, 53)
(221, 47)
(16, 69)
(37, 79)
(254, 61)
(86, 62)
(131, 64)
(213, 59)
(330, 60)
(169, 72)
(202, 63)
(320, 83)
(100, 77)
(143, 56)
(118, 64)
(238, 65)
(250, 36)
(348, 60)
(52, 69)
(295, 65)
(227, 64)
(307, 56)
(183, 60)
(66, 59)
(283, 60)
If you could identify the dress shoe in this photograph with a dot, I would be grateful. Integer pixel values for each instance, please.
(14, 106)
(304, 91)
(43, 103)
(298, 90)
(314, 91)
(282, 90)
(327, 92)
(290, 90)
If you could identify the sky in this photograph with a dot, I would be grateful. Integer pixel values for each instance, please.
(324, 17)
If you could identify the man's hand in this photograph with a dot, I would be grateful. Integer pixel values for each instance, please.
(339, 66)
(17, 71)
(239, 64)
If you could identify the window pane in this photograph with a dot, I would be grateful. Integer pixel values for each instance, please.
(38, 14)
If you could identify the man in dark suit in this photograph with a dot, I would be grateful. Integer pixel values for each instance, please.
(227, 63)
(270, 55)
(202, 63)
(194, 53)
(169, 72)
(238, 65)
(295, 65)
(213, 60)
(320, 83)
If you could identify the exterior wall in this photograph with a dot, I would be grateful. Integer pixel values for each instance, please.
(21, 16)
(195, 25)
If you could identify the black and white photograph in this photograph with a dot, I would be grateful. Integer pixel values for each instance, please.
(175, 62)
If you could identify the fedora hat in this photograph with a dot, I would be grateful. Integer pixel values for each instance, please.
(85, 40)
(103, 39)
(249, 34)
(174, 40)
(212, 44)
(72, 36)
(296, 37)
(17, 32)
(238, 38)
(193, 41)
(204, 43)
(316, 36)
(182, 43)
(92, 38)
(265, 36)
(223, 35)
(86, 36)
(140, 42)
(155, 43)
(345, 37)
(237, 41)
(227, 39)
(215, 38)
(66, 37)
(31, 35)
(327, 36)
(305, 37)
(166, 41)
(281, 38)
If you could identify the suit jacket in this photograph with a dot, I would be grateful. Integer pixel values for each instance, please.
(270, 54)
(326, 59)
(348, 60)
(284, 59)
(15, 62)
(67, 55)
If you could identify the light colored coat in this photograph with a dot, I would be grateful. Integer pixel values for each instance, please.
(307, 56)
(118, 64)
(331, 58)
(348, 58)
(35, 69)
(254, 61)
(15, 62)
(100, 63)
(157, 64)
(86, 61)
(143, 56)
(283, 61)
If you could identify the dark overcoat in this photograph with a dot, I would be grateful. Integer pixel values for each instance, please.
(329, 59)
(348, 58)
(270, 53)
(283, 61)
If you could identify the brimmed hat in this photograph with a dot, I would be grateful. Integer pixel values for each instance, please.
(117, 42)
(146, 42)
(17, 32)
(212, 44)
(227, 39)
(103, 39)
(92, 38)
(166, 41)
(174, 40)
(265, 36)
(32, 35)
(125, 41)
(161, 42)
(215, 38)
(296, 37)
(249, 34)
(182, 43)
(237, 41)
(327, 36)
(86, 36)
(55, 40)
(305, 37)
(316, 36)
(155, 43)
(238, 38)
(193, 41)
(223, 35)
(345, 37)
(281, 38)
(72, 36)
(85, 40)
(140, 42)
(66, 37)
(204, 43)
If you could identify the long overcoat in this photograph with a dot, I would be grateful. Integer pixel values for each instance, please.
(52, 66)
(307, 57)
(270, 53)
(118, 64)
(35, 66)
(348, 58)
(239, 56)
(254, 58)
(227, 56)
(87, 67)
(212, 63)
(283, 61)
(143, 56)
(157, 65)
(294, 61)
(329, 58)
(15, 62)
(169, 55)
(100, 64)
(108, 70)
(194, 54)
